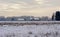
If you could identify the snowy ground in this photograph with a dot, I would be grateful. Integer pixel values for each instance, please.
(52, 29)
(30, 31)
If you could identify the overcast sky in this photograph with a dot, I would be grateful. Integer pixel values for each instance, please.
(28, 7)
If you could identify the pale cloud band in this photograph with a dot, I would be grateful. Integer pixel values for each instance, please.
(28, 7)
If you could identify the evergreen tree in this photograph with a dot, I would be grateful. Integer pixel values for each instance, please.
(53, 16)
(57, 17)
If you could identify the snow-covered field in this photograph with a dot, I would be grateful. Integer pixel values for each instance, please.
(30, 31)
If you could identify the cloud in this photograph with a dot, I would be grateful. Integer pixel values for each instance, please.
(40, 1)
(12, 6)
(28, 7)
